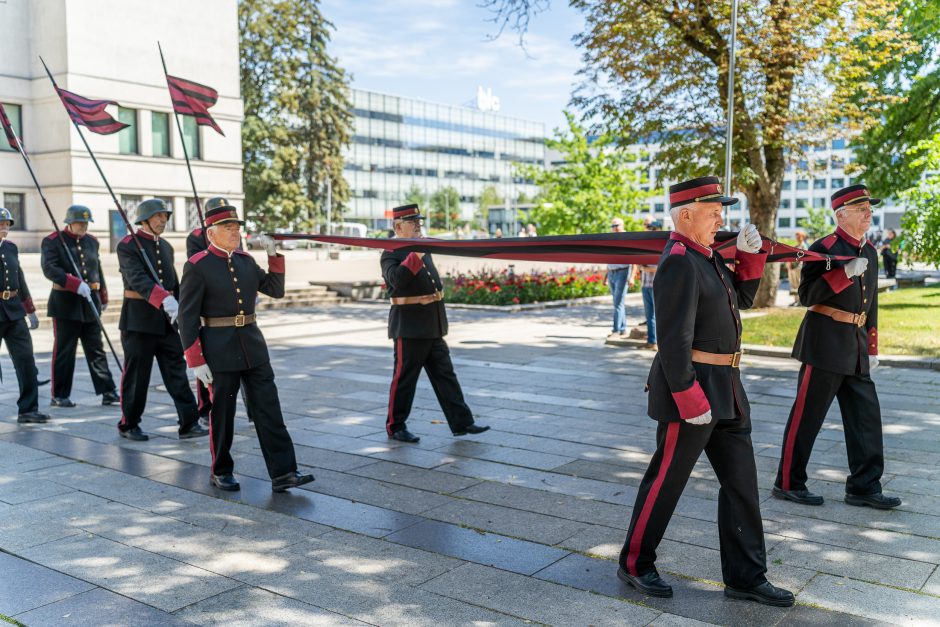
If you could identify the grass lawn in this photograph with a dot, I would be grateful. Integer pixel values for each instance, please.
(908, 323)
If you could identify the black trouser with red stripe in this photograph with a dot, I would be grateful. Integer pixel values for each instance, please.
(67, 334)
(203, 398)
(411, 355)
(261, 396)
(15, 333)
(140, 349)
(861, 420)
(740, 530)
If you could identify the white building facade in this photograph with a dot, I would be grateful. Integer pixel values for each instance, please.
(107, 49)
(399, 143)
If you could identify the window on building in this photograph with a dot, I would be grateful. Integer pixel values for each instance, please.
(192, 215)
(16, 204)
(160, 125)
(838, 162)
(819, 183)
(785, 203)
(783, 223)
(802, 184)
(876, 220)
(127, 138)
(129, 202)
(659, 206)
(801, 203)
(15, 113)
(838, 143)
(837, 183)
(787, 185)
(191, 137)
(803, 164)
(821, 164)
(819, 203)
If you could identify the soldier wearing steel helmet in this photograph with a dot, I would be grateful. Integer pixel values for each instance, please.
(69, 307)
(16, 306)
(147, 316)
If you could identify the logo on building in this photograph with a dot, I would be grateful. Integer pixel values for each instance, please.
(486, 101)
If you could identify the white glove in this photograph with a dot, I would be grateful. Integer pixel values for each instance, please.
(104, 306)
(856, 267)
(749, 239)
(171, 307)
(203, 374)
(872, 362)
(704, 419)
(84, 291)
(33, 321)
(269, 246)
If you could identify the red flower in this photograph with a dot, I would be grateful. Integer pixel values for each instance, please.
(515, 299)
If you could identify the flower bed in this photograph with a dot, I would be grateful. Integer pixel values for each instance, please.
(491, 287)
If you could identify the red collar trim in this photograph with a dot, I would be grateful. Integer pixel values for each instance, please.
(70, 234)
(144, 234)
(675, 235)
(851, 240)
(218, 252)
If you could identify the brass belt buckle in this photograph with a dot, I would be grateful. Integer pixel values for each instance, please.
(7, 294)
(736, 360)
(240, 320)
(860, 319)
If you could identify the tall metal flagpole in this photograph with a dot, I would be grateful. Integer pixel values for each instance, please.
(730, 130)
(68, 253)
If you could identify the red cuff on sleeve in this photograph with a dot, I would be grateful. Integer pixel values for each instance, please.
(873, 341)
(72, 282)
(157, 294)
(103, 296)
(749, 266)
(194, 355)
(692, 402)
(837, 280)
(413, 262)
(28, 306)
(276, 264)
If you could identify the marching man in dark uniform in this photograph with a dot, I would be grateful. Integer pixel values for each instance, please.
(147, 331)
(696, 394)
(417, 322)
(196, 242)
(226, 349)
(69, 304)
(16, 306)
(838, 345)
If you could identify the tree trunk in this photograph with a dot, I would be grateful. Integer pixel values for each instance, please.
(763, 210)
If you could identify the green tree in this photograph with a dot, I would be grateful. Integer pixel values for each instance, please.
(921, 221)
(297, 113)
(416, 196)
(489, 197)
(660, 69)
(445, 208)
(816, 223)
(592, 184)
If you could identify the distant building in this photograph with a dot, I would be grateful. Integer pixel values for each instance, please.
(116, 58)
(402, 142)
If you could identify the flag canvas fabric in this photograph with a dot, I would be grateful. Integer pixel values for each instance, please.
(90, 113)
(190, 98)
(8, 129)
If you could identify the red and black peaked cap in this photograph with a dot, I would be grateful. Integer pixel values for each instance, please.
(219, 211)
(405, 212)
(852, 195)
(702, 189)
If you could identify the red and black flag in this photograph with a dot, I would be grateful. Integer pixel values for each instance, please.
(8, 129)
(90, 113)
(193, 99)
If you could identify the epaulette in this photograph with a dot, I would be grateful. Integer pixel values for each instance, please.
(202, 254)
(197, 232)
(52, 235)
(127, 239)
(677, 249)
(829, 241)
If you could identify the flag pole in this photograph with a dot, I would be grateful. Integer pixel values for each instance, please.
(120, 208)
(728, 138)
(179, 127)
(68, 253)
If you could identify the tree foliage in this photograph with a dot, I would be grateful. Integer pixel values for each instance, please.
(297, 113)
(445, 208)
(489, 197)
(593, 184)
(817, 223)
(921, 221)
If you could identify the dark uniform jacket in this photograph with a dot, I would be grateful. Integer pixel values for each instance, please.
(67, 304)
(12, 279)
(217, 285)
(826, 343)
(195, 242)
(146, 315)
(406, 274)
(697, 298)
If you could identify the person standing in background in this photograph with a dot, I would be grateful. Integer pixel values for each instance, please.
(617, 275)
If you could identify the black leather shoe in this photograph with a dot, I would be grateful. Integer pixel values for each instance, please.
(649, 583)
(472, 430)
(803, 497)
(195, 430)
(290, 480)
(225, 482)
(878, 501)
(135, 434)
(61, 401)
(110, 398)
(765, 593)
(32, 417)
(405, 436)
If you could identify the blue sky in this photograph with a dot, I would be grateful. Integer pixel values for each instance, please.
(441, 50)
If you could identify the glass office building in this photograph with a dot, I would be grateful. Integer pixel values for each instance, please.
(401, 142)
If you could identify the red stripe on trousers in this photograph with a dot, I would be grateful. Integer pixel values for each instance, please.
(672, 435)
(391, 393)
(795, 427)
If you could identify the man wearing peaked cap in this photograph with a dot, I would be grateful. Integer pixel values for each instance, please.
(16, 306)
(223, 344)
(417, 323)
(696, 395)
(838, 346)
(148, 312)
(69, 307)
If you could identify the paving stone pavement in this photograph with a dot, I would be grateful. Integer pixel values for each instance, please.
(521, 524)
